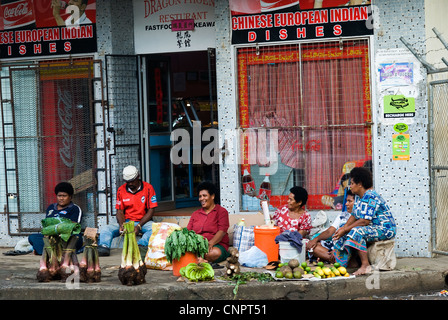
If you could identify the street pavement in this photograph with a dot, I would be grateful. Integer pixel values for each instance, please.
(411, 276)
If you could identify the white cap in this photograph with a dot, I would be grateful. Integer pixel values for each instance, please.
(130, 173)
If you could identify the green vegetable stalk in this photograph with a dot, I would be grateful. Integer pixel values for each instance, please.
(69, 263)
(58, 259)
(132, 269)
(89, 267)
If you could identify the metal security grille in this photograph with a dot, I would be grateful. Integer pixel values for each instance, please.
(439, 164)
(123, 98)
(49, 134)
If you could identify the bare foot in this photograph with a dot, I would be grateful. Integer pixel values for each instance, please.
(363, 270)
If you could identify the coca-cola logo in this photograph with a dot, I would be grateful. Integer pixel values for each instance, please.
(19, 10)
(65, 114)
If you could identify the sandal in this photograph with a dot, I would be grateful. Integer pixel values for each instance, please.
(272, 265)
(15, 253)
(216, 265)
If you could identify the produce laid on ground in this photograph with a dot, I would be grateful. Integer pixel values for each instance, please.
(58, 260)
(232, 263)
(132, 270)
(244, 277)
(181, 241)
(202, 271)
(89, 267)
(294, 270)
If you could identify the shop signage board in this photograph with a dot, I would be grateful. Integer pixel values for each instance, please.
(400, 147)
(291, 22)
(399, 106)
(34, 28)
(173, 26)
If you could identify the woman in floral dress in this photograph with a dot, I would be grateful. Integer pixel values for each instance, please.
(293, 216)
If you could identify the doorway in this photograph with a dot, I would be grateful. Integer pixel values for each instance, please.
(180, 94)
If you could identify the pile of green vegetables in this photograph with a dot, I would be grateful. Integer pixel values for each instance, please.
(181, 241)
(132, 270)
(59, 259)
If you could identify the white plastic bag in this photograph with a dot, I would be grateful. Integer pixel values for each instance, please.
(318, 223)
(382, 255)
(253, 258)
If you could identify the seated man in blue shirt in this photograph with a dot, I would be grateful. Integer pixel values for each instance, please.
(64, 208)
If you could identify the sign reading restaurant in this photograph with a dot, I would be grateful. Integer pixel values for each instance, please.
(296, 24)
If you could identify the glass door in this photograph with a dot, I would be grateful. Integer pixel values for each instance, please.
(159, 127)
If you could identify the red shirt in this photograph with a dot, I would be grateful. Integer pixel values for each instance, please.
(136, 204)
(207, 225)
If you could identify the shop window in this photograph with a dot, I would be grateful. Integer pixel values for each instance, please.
(305, 118)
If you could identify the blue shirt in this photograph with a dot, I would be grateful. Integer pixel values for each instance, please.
(72, 212)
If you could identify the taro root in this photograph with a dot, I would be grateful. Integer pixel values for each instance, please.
(132, 269)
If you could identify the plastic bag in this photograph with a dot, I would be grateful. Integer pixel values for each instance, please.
(318, 223)
(253, 258)
(243, 237)
(155, 256)
(382, 255)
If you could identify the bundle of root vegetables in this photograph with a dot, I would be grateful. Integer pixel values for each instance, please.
(132, 270)
(59, 260)
(89, 267)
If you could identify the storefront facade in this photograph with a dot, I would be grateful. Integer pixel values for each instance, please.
(207, 90)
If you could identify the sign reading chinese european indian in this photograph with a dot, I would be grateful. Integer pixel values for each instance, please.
(174, 25)
(33, 28)
(257, 21)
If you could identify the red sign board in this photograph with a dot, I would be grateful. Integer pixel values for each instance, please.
(182, 25)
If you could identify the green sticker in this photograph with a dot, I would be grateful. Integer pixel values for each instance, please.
(401, 127)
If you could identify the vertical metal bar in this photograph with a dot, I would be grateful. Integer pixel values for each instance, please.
(19, 222)
(433, 181)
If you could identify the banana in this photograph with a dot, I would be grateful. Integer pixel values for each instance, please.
(182, 271)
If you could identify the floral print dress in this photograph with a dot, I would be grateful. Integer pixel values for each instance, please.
(283, 220)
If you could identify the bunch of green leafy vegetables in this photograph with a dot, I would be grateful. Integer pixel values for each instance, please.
(183, 240)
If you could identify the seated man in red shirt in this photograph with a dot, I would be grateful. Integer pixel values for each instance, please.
(212, 222)
(136, 201)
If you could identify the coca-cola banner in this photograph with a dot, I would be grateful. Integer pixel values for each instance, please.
(261, 21)
(32, 28)
(65, 118)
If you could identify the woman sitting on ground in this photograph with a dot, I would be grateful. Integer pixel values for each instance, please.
(321, 246)
(293, 216)
(212, 222)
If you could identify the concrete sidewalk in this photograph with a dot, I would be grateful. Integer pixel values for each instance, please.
(18, 281)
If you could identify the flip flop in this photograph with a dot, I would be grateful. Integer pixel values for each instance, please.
(15, 253)
(272, 265)
(216, 266)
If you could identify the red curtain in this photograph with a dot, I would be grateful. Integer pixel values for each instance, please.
(318, 98)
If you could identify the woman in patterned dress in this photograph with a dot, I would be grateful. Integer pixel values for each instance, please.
(371, 221)
(293, 216)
